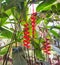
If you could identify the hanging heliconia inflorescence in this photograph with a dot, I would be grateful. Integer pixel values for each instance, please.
(26, 36)
(46, 46)
(33, 23)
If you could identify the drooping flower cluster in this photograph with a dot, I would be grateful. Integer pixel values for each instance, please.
(33, 22)
(26, 36)
(46, 46)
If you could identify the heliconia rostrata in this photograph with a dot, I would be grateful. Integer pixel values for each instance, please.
(46, 46)
(26, 36)
(33, 22)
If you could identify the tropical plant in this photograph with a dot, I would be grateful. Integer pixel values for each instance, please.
(18, 9)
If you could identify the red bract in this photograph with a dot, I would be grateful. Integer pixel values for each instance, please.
(26, 33)
(27, 46)
(35, 13)
(33, 22)
(33, 18)
(25, 29)
(26, 36)
(46, 46)
(47, 52)
(26, 25)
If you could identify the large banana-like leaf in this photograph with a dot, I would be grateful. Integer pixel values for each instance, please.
(0, 0)
(45, 5)
(58, 8)
(55, 27)
(39, 54)
(55, 8)
(2, 15)
(3, 21)
(4, 32)
(54, 33)
(3, 50)
(38, 50)
(8, 12)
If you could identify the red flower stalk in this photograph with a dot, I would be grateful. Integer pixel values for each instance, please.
(26, 36)
(46, 46)
(33, 22)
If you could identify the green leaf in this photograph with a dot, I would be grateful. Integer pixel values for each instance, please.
(3, 50)
(0, 0)
(8, 1)
(4, 32)
(48, 14)
(8, 12)
(39, 41)
(3, 21)
(38, 20)
(56, 27)
(35, 44)
(58, 8)
(54, 33)
(45, 5)
(54, 9)
(39, 54)
(38, 50)
(19, 36)
(2, 15)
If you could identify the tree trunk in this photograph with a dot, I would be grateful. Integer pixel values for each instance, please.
(18, 58)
